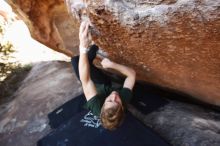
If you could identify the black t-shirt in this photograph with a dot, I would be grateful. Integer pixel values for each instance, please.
(103, 91)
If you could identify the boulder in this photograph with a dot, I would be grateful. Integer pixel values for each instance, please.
(184, 124)
(170, 43)
(49, 23)
(23, 121)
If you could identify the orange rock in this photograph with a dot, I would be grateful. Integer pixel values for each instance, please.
(50, 23)
(171, 43)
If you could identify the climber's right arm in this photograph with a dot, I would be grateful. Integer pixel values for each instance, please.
(89, 88)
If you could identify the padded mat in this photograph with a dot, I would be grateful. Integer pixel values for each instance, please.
(84, 129)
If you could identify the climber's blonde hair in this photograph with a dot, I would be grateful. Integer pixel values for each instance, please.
(112, 117)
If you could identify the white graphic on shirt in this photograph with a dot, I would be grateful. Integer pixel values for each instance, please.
(91, 120)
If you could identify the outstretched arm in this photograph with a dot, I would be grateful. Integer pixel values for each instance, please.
(127, 71)
(89, 88)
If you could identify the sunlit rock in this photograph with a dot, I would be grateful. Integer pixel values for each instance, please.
(49, 23)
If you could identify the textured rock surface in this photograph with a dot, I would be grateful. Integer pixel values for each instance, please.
(49, 23)
(26, 49)
(184, 124)
(171, 43)
(50, 84)
(24, 120)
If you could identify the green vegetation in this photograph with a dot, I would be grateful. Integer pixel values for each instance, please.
(6, 50)
(11, 72)
(12, 82)
(5, 65)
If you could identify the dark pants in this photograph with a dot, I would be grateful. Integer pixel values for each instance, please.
(97, 75)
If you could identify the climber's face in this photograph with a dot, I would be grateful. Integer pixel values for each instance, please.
(113, 100)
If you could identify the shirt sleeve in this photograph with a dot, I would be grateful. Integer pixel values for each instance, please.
(126, 95)
(96, 102)
(94, 105)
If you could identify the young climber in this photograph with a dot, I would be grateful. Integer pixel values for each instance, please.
(103, 99)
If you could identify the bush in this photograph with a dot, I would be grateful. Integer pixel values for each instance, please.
(5, 65)
(11, 73)
(6, 51)
(12, 82)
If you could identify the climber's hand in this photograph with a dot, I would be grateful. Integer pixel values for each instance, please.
(84, 35)
(107, 63)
